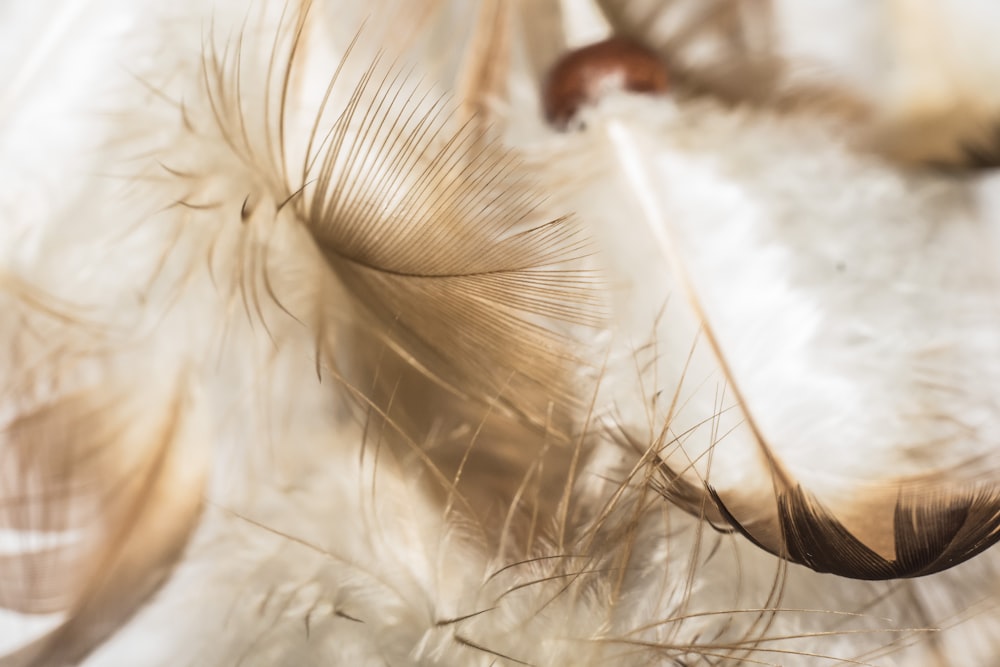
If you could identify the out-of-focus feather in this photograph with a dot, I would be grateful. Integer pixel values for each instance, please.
(110, 487)
(917, 76)
(725, 49)
(982, 152)
(940, 95)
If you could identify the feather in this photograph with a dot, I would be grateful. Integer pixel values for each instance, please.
(984, 152)
(916, 91)
(730, 51)
(447, 260)
(800, 526)
(111, 497)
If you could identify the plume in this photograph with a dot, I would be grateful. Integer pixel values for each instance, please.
(904, 511)
(431, 231)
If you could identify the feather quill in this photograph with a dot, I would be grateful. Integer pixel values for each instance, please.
(936, 519)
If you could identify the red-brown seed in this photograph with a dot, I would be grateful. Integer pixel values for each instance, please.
(580, 77)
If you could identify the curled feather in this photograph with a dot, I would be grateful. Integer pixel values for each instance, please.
(110, 488)
(910, 519)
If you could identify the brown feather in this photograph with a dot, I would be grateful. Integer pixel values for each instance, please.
(437, 239)
(124, 482)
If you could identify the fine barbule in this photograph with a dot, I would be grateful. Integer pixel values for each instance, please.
(326, 348)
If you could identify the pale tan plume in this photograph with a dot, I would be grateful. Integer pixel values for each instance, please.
(110, 486)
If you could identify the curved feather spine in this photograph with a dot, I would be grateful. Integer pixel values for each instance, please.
(934, 525)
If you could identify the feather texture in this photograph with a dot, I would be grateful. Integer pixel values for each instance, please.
(431, 229)
(325, 349)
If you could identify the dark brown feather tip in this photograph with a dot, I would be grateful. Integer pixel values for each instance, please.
(983, 154)
(931, 533)
(580, 77)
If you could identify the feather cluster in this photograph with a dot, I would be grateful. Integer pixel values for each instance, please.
(324, 348)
